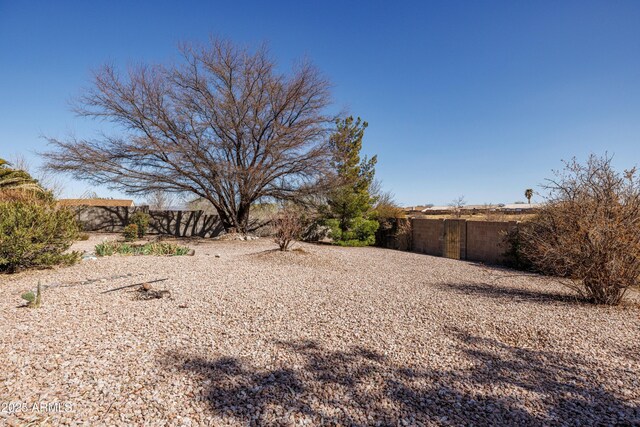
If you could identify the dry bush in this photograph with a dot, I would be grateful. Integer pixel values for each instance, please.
(287, 226)
(404, 234)
(588, 230)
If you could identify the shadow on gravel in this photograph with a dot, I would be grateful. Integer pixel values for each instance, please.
(509, 293)
(491, 384)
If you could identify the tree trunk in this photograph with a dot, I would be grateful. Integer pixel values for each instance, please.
(243, 218)
(237, 222)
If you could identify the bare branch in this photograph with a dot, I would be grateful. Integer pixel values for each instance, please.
(223, 125)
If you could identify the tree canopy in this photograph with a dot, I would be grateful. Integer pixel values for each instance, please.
(223, 125)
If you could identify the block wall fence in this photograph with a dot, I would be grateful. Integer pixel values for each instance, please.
(175, 223)
(482, 241)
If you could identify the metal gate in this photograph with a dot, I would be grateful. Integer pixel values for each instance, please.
(452, 238)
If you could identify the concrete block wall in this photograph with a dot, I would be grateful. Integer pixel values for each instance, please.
(113, 219)
(482, 241)
(486, 240)
(428, 236)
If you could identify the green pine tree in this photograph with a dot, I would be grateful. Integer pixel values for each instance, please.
(349, 204)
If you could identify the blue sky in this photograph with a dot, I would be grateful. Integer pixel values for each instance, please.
(472, 98)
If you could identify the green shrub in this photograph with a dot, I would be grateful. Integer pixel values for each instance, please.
(334, 229)
(105, 249)
(131, 232)
(125, 249)
(35, 235)
(141, 220)
(352, 243)
(361, 232)
(108, 248)
(164, 248)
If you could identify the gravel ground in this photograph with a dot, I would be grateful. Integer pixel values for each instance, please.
(326, 335)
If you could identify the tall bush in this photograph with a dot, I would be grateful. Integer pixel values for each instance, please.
(35, 234)
(588, 230)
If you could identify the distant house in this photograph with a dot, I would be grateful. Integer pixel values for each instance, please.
(96, 202)
(513, 208)
(521, 207)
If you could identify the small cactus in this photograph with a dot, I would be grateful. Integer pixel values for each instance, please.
(33, 300)
(30, 297)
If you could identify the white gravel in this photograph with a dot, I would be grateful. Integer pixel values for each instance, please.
(338, 336)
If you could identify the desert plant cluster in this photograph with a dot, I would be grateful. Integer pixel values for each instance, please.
(114, 247)
(588, 231)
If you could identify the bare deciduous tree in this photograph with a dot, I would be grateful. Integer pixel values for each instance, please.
(385, 206)
(224, 125)
(457, 204)
(587, 231)
(160, 200)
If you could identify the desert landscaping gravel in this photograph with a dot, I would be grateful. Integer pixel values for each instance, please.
(319, 336)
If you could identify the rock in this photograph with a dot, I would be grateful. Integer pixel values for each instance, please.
(88, 256)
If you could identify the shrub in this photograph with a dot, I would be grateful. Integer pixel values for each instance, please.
(35, 235)
(112, 247)
(105, 248)
(587, 231)
(130, 232)
(288, 225)
(166, 249)
(315, 230)
(141, 220)
(514, 256)
(334, 229)
(404, 234)
(361, 232)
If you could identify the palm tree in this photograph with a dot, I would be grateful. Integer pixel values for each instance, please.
(528, 193)
(16, 179)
